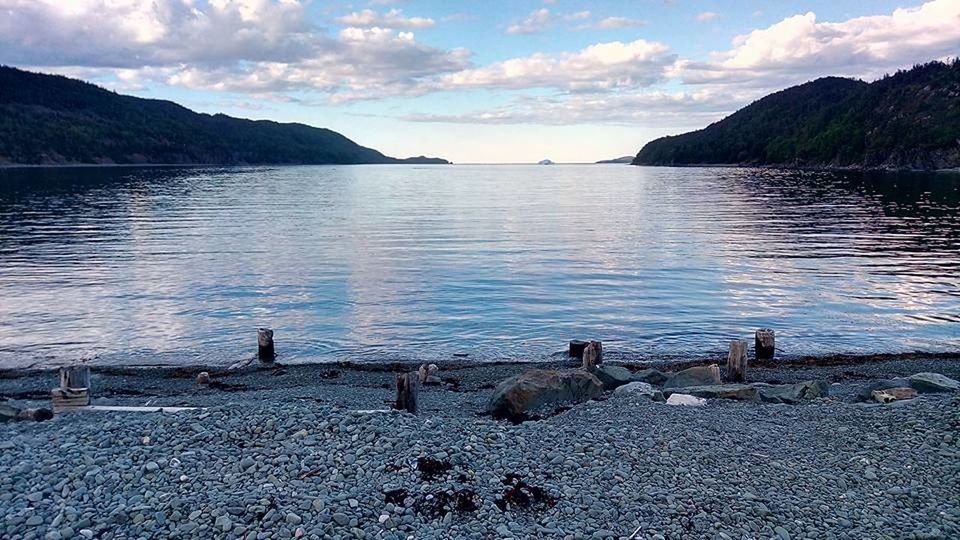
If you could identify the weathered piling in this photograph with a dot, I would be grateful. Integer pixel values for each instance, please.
(408, 387)
(74, 390)
(265, 350)
(576, 348)
(592, 355)
(737, 361)
(764, 346)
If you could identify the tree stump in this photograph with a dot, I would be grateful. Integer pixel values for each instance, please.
(408, 386)
(576, 348)
(764, 344)
(737, 361)
(265, 350)
(592, 355)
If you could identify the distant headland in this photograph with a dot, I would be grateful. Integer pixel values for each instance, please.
(55, 120)
(910, 120)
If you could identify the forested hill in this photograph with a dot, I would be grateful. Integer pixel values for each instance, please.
(910, 120)
(49, 119)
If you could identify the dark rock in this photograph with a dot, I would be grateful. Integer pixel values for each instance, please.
(792, 393)
(539, 388)
(613, 376)
(695, 376)
(651, 376)
(925, 383)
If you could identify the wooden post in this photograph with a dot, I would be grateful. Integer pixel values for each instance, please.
(75, 377)
(764, 344)
(592, 355)
(408, 386)
(737, 361)
(74, 388)
(576, 348)
(265, 350)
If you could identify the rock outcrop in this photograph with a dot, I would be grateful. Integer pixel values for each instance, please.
(695, 376)
(539, 389)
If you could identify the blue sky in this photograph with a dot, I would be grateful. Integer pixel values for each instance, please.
(484, 81)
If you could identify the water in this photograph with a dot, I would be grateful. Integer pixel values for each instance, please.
(180, 266)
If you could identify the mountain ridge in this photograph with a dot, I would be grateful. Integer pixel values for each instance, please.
(56, 120)
(909, 120)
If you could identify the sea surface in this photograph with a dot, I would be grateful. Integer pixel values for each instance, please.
(177, 266)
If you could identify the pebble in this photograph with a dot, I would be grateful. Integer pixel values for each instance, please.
(610, 466)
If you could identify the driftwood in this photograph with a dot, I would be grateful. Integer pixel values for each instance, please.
(408, 386)
(265, 350)
(764, 344)
(592, 355)
(426, 371)
(13, 414)
(737, 361)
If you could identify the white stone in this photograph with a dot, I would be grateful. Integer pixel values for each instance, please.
(685, 399)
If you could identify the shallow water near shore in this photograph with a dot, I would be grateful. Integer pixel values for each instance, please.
(177, 266)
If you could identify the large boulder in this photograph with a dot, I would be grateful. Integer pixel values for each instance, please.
(613, 376)
(651, 376)
(539, 389)
(743, 392)
(792, 393)
(933, 382)
(695, 376)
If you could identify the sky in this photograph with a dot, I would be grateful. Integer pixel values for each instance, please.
(486, 81)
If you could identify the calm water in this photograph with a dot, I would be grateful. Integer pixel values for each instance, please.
(168, 266)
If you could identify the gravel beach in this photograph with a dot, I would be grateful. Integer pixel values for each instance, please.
(312, 452)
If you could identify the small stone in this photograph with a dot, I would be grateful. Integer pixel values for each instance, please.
(247, 462)
(152, 466)
(782, 533)
(341, 519)
(294, 519)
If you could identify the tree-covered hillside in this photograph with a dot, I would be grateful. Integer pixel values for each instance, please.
(49, 119)
(907, 120)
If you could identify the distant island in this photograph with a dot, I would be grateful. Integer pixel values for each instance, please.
(545, 162)
(50, 119)
(910, 120)
(624, 159)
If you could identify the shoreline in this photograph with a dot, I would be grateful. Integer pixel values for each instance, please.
(671, 363)
(311, 451)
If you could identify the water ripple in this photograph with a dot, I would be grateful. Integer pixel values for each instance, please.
(171, 266)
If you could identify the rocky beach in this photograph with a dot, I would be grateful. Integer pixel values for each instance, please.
(315, 452)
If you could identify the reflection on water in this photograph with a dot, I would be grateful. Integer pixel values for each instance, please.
(154, 265)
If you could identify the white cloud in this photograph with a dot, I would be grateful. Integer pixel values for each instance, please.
(578, 16)
(800, 47)
(610, 23)
(707, 16)
(600, 67)
(650, 109)
(255, 46)
(394, 18)
(535, 22)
